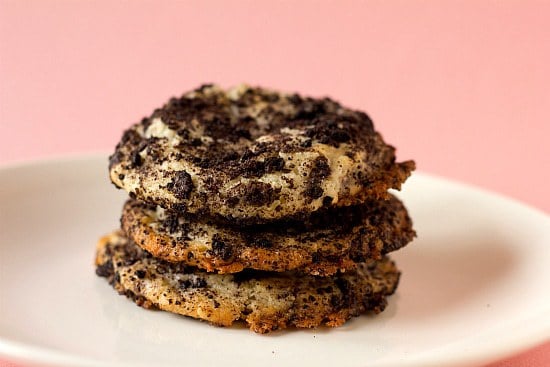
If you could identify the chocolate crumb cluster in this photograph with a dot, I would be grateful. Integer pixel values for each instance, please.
(255, 205)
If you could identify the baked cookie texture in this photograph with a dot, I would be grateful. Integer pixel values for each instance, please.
(253, 155)
(248, 204)
(329, 241)
(266, 301)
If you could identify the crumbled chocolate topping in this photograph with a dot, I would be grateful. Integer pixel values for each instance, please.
(129, 138)
(273, 164)
(135, 158)
(193, 282)
(328, 132)
(221, 249)
(319, 172)
(105, 270)
(259, 193)
(250, 167)
(241, 135)
(181, 185)
(171, 223)
(232, 120)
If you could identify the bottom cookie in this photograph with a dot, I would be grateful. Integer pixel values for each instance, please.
(266, 301)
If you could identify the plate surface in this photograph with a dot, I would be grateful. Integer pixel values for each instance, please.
(473, 286)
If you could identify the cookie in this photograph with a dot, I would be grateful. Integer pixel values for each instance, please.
(327, 242)
(254, 155)
(265, 301)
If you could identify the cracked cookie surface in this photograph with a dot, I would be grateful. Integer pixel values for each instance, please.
(253, 155)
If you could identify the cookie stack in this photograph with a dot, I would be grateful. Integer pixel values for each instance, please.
(249, 204)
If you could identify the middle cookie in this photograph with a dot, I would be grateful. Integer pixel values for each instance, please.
(327, 242)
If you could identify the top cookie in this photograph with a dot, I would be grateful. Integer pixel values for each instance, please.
(254, 155)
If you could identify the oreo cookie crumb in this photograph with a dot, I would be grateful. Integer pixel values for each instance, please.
(181, 185)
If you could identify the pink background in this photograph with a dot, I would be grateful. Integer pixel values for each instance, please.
(461, 87)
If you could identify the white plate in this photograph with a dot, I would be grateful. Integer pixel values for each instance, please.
(474, 285)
